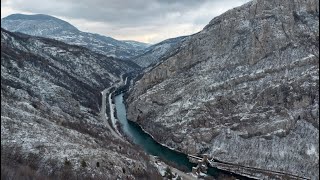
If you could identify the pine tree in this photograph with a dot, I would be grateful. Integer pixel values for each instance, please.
(168, 173)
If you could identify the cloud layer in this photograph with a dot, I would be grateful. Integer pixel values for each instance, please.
(143, 20)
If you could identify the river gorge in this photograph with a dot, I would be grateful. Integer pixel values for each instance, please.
(141, 138)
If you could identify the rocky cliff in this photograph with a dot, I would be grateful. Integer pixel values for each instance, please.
(244, 89)
(50, 123)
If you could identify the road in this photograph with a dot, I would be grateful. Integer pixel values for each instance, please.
(103, 113)
(104, 116)
(162, 166)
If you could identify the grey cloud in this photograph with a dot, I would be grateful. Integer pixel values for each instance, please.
(117, 12)
(136, 17)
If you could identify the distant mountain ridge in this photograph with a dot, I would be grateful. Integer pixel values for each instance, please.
(55, 28)
(154, 53)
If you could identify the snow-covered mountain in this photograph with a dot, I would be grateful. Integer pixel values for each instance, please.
(51, 27)
(156, 52)
(243, 90)
(139, 45)
(50, 121)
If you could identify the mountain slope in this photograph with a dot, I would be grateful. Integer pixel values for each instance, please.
(50, 123)
(139, 45)
(51, 27)
(154, 53)
(244, 89)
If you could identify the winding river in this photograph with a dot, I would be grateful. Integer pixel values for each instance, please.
(144, 140)
(149, 145)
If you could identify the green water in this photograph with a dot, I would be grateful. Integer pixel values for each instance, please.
(144, 140)
(149, 145)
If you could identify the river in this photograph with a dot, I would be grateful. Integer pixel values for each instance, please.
(149, 145)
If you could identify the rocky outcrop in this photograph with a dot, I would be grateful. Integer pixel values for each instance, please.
(54, 28)
(244, 89)
(50, 126)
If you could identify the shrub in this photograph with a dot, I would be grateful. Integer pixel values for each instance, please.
(83, 163)
(67, 162)
(168, 174)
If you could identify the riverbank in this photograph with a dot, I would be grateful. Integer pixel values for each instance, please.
(136, 135)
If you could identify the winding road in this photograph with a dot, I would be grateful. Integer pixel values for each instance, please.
(103, 111)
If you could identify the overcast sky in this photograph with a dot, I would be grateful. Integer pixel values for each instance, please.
(148, 21)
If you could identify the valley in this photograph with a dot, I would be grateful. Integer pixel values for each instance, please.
(238, 99)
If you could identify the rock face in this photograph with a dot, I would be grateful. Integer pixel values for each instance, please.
(50, 126)
(244, 89)
(155, 53)
(51, 27)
